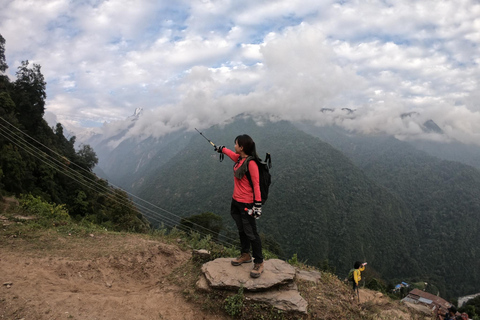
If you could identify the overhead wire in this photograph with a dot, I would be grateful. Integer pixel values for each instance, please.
(87, 171)
(75, 175)
(57, 164)
(150, 214)
(144, 210)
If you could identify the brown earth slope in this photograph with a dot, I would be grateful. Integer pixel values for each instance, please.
(92, 277)
(75, 274)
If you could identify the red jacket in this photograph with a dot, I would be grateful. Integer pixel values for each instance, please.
(242, 190)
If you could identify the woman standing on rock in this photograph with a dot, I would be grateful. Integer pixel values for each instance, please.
(246, 204)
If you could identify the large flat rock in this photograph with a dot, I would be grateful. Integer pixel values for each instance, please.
(312, 276)
(220, 274)
(286, 298)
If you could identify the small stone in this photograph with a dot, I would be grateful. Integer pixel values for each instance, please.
(202, 284)
(201, 255)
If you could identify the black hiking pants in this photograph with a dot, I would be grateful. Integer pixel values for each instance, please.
(247, 229)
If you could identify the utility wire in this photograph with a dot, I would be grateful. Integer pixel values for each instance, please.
(147, 212)
(87, 171)
(166, 220)
(8, 134)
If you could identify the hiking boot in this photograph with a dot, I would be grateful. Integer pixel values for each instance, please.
(244, 258)
(257, 270)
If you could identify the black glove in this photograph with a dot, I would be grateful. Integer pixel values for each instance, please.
(219, 149)
(257, 210)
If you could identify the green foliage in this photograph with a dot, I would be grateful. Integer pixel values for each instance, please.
(326, 267)
(86, 157)
(48, 214)
(234, 304)
(206, 223)
(118, 213)
(440, 199)
(376, 284)
(3, 62)
(267, 254)
(294, 260)
(29, 95)
(7, 106)
(472, 307)
(38, 160)
(14, 168)
(271, 244)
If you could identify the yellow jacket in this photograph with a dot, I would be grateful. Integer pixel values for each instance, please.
(357, 274)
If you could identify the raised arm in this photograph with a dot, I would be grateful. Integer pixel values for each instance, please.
(231, 154)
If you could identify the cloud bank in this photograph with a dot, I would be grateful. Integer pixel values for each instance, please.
(199, 63)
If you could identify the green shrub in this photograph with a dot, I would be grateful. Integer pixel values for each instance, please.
(234, 304)
(375, 284)
(47, 214)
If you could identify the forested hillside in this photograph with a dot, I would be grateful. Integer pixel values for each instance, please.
(444, 197)
(38, 160)
(321, 206)
(132, 155)
(383, 207)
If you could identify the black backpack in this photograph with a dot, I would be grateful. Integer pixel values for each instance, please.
(264, 175)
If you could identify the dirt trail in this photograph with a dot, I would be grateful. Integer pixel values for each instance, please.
(49, 274)
(77, 281)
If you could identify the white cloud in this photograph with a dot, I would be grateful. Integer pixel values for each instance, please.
(196, 63)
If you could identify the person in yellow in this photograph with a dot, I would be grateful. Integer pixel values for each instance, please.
(357, 273)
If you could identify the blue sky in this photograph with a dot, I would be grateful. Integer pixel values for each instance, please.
(199, 63)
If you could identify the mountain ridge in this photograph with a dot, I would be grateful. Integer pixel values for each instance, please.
(323, 212)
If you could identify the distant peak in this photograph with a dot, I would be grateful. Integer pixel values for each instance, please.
(347, 110)
(138, 112)
(431, 126)
(409, 114)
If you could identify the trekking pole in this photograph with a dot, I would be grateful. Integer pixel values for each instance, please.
(358, 295)
(213, 144)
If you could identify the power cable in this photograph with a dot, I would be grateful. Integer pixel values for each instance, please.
(149, 213)
(8, 134)
(166, 220)
(87, 171)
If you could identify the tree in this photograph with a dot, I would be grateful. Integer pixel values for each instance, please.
(204, 223)
(3, 62)
(4, 81)
(7, 106)
(30, 95)
(86, 157)
(14, 168)
(326, 267)
(121, 214)
(472, 307)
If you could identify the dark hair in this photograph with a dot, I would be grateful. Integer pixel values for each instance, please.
(248, 145)
(357, 264)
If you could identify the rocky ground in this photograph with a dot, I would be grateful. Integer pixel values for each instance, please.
(95, 277)
(62, 274)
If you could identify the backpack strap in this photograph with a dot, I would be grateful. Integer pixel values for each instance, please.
(247, 173)
(268, 161)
